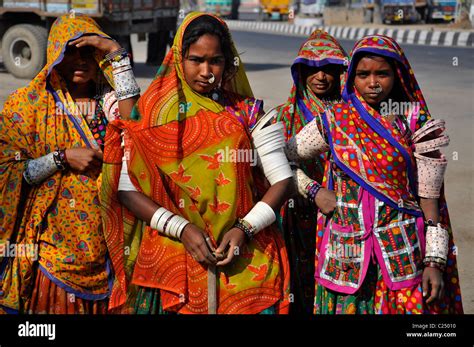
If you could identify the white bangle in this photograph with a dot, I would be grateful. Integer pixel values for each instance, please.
(307, 144)
(437, 242)
(175, 225)
(260, 217)
(270, 143)
(126, 85)
(160, 224)
(156, 217)
(171, 229)
(180, 227)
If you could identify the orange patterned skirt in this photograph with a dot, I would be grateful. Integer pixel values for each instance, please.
(48, 298)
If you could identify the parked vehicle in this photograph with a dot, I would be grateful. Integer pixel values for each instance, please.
(222, 8)
(399, 11)
(24, 25)
(444, 10)
(312, 8)
(264, 9)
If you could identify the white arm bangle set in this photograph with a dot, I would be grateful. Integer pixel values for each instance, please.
(168, 223)
(260, 217)
(270, 143)
(437, 244)
(126, 85)
(430, 175)
(430, 170)
(307, 144)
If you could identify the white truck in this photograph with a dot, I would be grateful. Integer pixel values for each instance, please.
(24, 26)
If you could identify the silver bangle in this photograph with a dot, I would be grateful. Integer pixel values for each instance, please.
(168, 223)
(126, 85)
(37, 170)
(437, 243)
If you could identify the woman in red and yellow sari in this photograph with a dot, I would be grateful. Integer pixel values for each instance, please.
(51, 137)
(186, 226)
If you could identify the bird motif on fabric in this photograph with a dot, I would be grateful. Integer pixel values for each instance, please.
(194, 192)
(179, 175)
(259, 271)
(218, 206)
(214, 160)
(221, 180)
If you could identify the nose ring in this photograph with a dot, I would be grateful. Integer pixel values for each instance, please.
(378, 88)
(212, 79)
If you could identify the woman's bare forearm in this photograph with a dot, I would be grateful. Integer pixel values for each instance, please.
(278, 193)
(126, 106)
(430, 209)
(140, 205)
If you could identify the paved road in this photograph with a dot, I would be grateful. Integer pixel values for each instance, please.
(446, 76)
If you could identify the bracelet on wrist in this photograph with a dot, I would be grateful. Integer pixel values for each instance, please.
(63, 157)
(248, 230)
(59, 157)
(117, 55)
(313, 189)
(434, 264)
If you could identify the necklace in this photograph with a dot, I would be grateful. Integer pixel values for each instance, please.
(214, 95)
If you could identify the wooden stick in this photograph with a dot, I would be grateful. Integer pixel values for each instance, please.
(211, 290)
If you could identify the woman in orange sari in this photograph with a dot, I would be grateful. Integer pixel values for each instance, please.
(51, 139)
(194, 234)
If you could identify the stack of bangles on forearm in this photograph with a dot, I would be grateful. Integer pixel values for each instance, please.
(437, 246)
(259, 217)
(125, 84)
(168, 223)
(270, 145)
(172, 225)
(37, 170)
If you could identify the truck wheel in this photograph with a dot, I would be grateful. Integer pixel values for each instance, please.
(24, 50)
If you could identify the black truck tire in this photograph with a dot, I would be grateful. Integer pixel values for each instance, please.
(24, 50)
